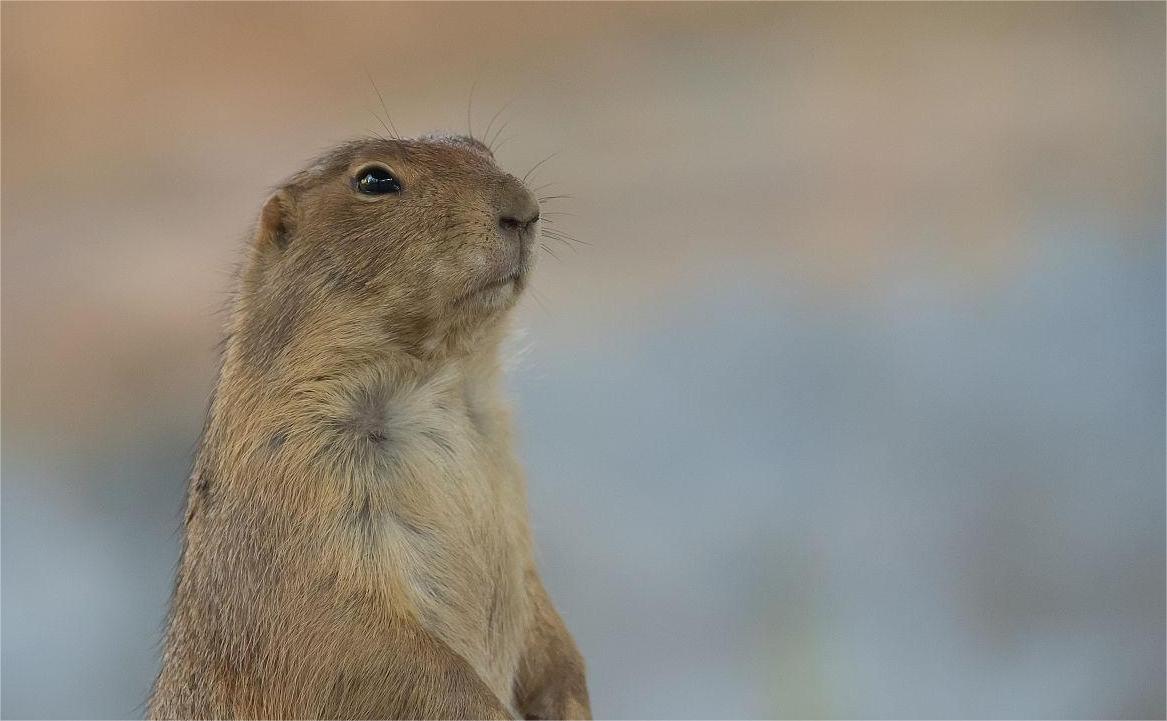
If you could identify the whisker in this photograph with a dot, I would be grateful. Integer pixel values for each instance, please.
(470, 110)
(536, 166)
(382, 122)
(557, 231)
(498, 133)
(566, 237)
(572, 244)
(550, 252)
(392, 133)
(507, 139)
(554, 197)
(565, 244)
(486, 133)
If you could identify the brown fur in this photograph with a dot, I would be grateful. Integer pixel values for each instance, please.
(357, 543)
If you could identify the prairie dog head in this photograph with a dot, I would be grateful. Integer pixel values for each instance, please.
(420, 243)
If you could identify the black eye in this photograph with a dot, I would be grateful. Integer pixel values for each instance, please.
(375, 180)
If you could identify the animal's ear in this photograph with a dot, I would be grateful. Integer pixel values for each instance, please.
(277, 222)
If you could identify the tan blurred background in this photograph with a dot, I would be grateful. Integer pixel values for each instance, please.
(853, 406)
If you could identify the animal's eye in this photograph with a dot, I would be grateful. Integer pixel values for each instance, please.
(375, 180)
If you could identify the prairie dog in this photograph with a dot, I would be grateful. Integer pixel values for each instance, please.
(356, 537)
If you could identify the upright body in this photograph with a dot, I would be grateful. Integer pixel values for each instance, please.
(357, 542)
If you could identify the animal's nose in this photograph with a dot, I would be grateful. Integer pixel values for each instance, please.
(511, 223)
(518, 212)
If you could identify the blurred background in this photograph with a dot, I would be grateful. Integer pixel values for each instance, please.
(853, 406)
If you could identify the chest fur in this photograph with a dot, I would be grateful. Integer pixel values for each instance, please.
(437, 502)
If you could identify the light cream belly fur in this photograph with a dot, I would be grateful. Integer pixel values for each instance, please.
(445, 515)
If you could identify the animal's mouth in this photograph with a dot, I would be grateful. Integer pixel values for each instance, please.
(514, 278)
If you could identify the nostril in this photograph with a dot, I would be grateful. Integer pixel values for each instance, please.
(509, 222)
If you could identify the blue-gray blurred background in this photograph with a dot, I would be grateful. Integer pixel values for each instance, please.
(853, 406)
